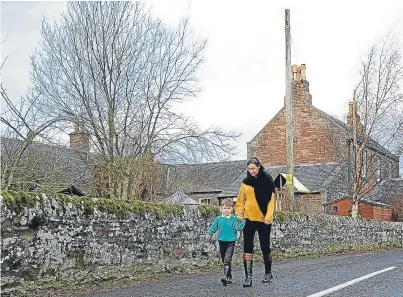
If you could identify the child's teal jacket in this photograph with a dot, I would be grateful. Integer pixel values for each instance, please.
(227, 228)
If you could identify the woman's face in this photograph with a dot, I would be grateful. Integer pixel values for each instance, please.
(253, 169)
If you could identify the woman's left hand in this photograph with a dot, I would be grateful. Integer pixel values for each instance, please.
(266, 222)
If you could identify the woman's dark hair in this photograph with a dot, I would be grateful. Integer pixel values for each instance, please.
(253, 160)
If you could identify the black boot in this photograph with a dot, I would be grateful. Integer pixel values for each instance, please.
(268, 276)
(224, 278)
(248, 264)
(229, 274)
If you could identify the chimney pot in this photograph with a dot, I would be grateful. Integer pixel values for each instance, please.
(303, 71)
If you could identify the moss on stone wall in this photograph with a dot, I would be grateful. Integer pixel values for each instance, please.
(160, 210)
(120, 208)
(123, 208)
(209, 210)
(17, 201)
(26, 239)
(77, 201)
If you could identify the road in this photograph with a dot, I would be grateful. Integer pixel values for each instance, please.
(332, 276)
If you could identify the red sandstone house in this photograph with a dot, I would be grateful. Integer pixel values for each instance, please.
(322, 157)
(321, 140)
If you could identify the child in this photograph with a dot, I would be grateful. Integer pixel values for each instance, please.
(227, 225)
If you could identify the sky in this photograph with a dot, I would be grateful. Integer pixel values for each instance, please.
(243, 78)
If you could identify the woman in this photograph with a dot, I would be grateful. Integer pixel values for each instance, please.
(255, 204)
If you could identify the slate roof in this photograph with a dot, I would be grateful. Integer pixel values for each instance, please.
(207, 177)
(367, 201)
(180, 198)
(52, 165)
(371, 143)
(312, 176)
(373, 202)
(232, 189)
(386, 190)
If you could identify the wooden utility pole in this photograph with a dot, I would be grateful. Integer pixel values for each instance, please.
(289, 116)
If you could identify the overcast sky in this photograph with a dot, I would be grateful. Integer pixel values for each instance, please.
(243, 78)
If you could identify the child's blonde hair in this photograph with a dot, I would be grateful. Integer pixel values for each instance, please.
(228, 202)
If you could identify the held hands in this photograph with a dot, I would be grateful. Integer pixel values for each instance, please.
(240, 217)
(268, 220)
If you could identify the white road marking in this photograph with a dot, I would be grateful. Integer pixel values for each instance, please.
(349, 283)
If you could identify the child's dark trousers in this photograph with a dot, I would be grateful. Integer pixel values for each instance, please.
(226, 251)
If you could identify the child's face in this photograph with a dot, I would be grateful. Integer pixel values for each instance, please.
(226, 210)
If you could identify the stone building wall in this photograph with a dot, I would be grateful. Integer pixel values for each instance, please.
(312, 136)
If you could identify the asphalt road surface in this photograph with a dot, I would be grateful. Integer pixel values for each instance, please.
(378, 274)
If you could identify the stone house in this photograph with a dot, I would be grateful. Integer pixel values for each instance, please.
(211, 182)
(323, 156)
(320, 139)
(202, 182)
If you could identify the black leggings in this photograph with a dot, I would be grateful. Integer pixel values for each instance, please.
(249, 235)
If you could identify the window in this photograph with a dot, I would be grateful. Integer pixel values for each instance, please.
(205, 201)
(332, 210)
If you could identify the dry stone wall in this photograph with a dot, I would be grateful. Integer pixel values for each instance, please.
(59, 239)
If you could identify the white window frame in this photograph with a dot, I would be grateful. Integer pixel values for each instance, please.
(202, 201)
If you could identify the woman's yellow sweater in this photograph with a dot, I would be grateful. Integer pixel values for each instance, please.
(247, 205)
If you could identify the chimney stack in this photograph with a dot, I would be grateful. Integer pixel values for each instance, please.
(79, 140)
(300, 86)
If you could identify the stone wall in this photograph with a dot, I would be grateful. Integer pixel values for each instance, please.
(74, 240)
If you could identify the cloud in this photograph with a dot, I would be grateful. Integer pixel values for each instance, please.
(242, 80)
(21, 24)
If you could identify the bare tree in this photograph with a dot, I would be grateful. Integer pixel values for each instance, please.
(397, 207)
(377, 119)
(20, 121)
(118, 71)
